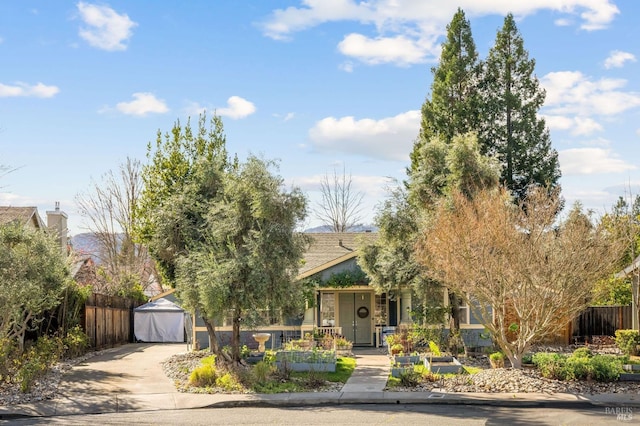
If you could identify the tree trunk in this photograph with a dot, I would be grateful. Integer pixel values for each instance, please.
(454, 324)
(235, 337)
(213, 340)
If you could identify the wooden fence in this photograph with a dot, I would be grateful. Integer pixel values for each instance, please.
(108, 320)
(600, 321)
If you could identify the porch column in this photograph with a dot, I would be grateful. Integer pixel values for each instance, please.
(405, 304)
(634, 300)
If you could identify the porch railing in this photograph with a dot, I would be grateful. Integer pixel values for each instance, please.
(333, 331)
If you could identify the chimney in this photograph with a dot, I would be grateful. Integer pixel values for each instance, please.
(57, 223)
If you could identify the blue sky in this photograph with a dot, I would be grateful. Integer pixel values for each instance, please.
(315, 84)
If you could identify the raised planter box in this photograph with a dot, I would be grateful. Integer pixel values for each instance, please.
(398, 371)
(307, 366)
(631, 367)
(443, 365)
(344, 350)
(254, 358)
(406, 359)
(306, 360)
(629, 377)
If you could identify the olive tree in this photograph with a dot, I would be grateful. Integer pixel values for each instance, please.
(33, 276)
(250, 252)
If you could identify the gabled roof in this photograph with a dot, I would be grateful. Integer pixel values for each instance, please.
(159, 305)
(331, 248)
(23, 215)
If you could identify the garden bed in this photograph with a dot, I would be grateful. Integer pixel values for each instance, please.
(443, 365)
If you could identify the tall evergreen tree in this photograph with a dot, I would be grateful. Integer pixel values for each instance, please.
(511, 129)
(452, 109)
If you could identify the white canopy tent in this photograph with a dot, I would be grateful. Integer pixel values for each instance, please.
(159, 321)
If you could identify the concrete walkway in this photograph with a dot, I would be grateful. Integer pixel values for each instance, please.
(130, 378)
(371, 373)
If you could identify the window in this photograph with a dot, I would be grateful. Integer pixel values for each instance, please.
(381, 309)
(467, 316)
(328, 309)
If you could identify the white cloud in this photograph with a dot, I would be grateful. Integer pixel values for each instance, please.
(346, 66)
(143, 104)
(105, 28)
(194, 108)
(617, 58)
(289, 116)
(20, 89)
(571, 92)
(578, 126)
(413, 27)
(563, 22)
(237, 107)
(588, 161)
(399, 50)
(389, 138)
(585, 126)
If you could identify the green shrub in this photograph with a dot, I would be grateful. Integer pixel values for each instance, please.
(582, 353)
(628, 341)
(262, 370)
(577, 368)
(497, 359)
(36, 361)
(551, 365)
(228, 382)
(245, 352)
(76, 342)
(208, 360)
(410, 378)
(605, 368)
(269, 356)
(203, 376)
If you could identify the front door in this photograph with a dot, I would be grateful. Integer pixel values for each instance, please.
(355, 317)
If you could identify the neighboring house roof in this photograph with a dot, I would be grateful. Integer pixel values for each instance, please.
(629, 269)
(26, 216)
(331, 248)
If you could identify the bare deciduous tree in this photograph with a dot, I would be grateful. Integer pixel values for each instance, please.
(110, 210)
(341, 205)
(523, 275)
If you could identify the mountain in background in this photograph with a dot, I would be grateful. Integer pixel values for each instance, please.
(356, 228)
(87, 243)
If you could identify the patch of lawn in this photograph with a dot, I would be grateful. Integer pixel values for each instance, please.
(277, 387)
(344, 369)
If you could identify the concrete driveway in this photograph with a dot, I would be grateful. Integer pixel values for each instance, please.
(128, 377)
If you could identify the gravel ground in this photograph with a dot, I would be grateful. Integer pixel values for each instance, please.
(522, 381)
(45, 388)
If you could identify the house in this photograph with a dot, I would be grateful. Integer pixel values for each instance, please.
(343, 302)
(30, 218)
(25, 216)
(633, 270)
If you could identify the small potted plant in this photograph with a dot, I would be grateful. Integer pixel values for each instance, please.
(342, 345)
